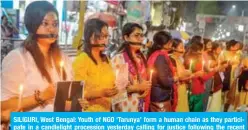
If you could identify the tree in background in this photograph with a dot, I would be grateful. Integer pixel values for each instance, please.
(179, 14)
(207, 7)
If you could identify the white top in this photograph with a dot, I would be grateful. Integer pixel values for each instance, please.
(19, 67)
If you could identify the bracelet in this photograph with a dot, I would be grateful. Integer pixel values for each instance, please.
(38, 99)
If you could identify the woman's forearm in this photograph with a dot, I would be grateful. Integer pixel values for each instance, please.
(93, 94)
(28, 103)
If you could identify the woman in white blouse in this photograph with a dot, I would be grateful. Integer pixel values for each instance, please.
(36, 64)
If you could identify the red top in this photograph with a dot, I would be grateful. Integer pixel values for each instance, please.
(198, 83)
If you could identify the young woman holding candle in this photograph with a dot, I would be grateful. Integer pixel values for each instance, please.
(177, 61)
(193, 39)
(35, 64)
(163, 91)
(183, 74)
(230, 80)
(207, 59)
(215, 102)
(93, 67)
(243, 84)
(198, 82)
(137, 86)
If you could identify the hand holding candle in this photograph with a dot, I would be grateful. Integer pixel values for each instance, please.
(61, 70)
(151, 72)
(20, 96)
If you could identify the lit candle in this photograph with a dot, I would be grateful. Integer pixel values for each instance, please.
(190, 65)
(20, 96)
(151, 72)
(222, 53)
(69, 92)
(61, 69)
(235, 58)
(68, 102)
(117, 73)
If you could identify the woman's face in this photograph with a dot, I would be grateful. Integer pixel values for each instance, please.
(136, 36)
(180, 48)
(218, 50)
(235, 47)
(103, 38)
(48, 26)
(209, 46)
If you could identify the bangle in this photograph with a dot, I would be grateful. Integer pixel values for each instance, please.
(37, 98)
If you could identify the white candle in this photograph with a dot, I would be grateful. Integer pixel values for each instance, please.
(151, 72)
(117, 73)
(61, 70)
(190, 65)
(69, 92)
(20, 96)
(221, 54)
(235, 58)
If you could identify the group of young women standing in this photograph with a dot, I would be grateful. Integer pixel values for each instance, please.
(168, 78)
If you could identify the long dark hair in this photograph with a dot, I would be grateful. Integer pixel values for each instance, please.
(231, 43)
(159, 40)
(93, 27)
(31, 45)
(195, 45)
(127, 29)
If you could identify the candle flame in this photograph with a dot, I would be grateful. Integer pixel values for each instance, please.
(190, 64)
(235, 58)
(61, 63)
(191, 61)
(151, 70)
(20, 87)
